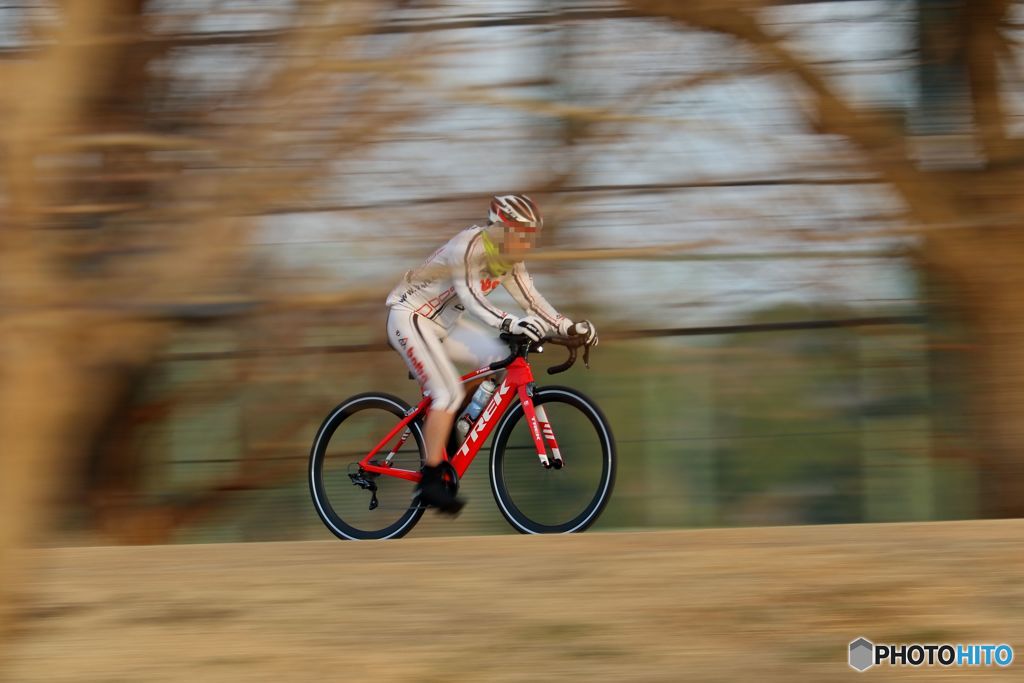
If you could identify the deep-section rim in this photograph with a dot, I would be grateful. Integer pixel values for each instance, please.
(594, 509)
(334, 523)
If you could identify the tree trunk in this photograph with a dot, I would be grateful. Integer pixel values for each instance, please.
(59, 372)
(984, 269)
(41, 391)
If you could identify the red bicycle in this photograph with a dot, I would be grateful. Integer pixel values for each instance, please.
(552, 456)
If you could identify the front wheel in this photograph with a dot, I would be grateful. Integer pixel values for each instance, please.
(568, 499)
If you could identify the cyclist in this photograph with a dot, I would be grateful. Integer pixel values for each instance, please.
(427, 326)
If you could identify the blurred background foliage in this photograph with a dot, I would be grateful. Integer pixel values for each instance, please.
(796, 225)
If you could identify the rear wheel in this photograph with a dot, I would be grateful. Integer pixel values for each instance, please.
(538, 500)
(342, 492)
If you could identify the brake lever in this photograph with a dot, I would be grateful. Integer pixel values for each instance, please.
(586, 356)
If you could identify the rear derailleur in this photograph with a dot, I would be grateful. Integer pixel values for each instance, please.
(366, 480)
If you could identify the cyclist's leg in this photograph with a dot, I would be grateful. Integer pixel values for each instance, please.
(472, 342)
(418, 340)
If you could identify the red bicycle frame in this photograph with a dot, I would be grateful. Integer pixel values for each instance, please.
(518, 382)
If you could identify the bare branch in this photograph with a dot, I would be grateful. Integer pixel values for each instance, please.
(881, 142)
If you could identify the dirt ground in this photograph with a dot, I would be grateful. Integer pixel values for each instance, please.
(778, 604)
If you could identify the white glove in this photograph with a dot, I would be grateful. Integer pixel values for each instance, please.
(585, 328)
(531, 326)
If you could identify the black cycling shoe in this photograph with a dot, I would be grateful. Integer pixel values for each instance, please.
(435, 491)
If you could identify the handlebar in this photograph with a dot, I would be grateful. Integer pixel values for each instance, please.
(521, 346)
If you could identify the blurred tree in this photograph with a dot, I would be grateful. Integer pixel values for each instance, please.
(144, 139)
(960, 185)
(131, 185)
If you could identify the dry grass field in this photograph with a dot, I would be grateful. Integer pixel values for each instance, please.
(771, 604)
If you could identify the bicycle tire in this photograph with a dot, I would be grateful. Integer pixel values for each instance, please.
(534, 499)
(328, 498)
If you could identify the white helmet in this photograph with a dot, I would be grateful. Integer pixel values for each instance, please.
(516, 211)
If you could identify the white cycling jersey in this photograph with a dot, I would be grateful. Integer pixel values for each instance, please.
(460, 275)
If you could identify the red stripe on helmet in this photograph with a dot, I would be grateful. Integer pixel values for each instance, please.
(511, 221)
(517, 211)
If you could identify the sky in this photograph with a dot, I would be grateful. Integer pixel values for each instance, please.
(734, 129)
(476, 132)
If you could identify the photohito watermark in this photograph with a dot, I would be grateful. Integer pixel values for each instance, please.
(864, 654)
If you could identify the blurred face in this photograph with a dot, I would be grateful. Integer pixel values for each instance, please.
(518, 242)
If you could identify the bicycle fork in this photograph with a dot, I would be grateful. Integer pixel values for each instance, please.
(540, 429)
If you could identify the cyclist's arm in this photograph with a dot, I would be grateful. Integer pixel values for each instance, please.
(465, 272)
(520, 285)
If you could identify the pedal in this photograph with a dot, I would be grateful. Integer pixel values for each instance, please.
(453, 509)
(450, 477)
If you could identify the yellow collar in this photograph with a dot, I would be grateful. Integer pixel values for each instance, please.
(496, 265)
